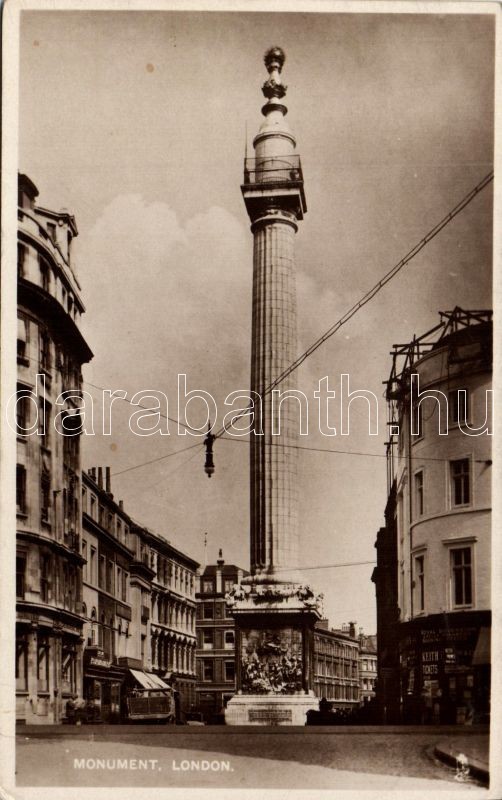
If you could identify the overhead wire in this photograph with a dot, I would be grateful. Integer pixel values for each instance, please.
(433, 232)
(368, 296)
(340, 452)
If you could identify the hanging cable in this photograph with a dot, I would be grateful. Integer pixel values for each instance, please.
(369, 295)
(344, 452)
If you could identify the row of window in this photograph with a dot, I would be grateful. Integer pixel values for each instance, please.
(207, 671)
(172, 656)
(109, 635)
(212, 610)
(104, 573)
(172, 575)
(168, 573)
(70, 509)
(167, 612)
(329, 646)
(335, 669)
(460, 493)
(43, 652)
(368, 665)
(105, 517)
(207, 639)
(461, 579)
(208, 585)
(44, 425)
(337, 691)
(58, 580)
(49, 353)
(48, 280)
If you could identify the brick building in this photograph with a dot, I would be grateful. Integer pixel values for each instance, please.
(215, 638)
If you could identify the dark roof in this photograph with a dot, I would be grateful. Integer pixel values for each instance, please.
(27, 185)
(226, 569)
(369, 643)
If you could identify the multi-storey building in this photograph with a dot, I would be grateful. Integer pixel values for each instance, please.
(367, 667)
(385, 578)
(139, 603)
(50, 354)
(215, 638)
(172, 615)
(112, 632)
(439, 467)
(335, 653)
(336, 665)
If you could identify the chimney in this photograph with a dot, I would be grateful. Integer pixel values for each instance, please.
(221, 560)
(352, 630)
(100, 477)
(108, 480)
(121, 505)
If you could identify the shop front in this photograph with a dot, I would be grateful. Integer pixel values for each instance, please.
(102, 685)
(445, 669)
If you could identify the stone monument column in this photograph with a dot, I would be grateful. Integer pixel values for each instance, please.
(274, 610)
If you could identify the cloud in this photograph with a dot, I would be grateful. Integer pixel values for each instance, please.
(166, 296)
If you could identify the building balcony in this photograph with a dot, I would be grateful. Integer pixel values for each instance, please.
(273, 170)
(278, 176)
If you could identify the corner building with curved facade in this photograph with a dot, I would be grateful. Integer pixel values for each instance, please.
(50, 354)
(439, 471)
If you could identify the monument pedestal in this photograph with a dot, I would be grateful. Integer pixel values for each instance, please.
(255, 709)
(274, 653)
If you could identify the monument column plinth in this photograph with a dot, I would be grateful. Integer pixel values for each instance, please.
(274, 610)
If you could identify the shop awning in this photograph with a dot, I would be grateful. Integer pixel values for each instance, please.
(481, 653)
(148, 680)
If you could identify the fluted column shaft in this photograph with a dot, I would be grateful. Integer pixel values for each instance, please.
(274, 523)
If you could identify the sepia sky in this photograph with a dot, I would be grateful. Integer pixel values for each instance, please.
(136, 123)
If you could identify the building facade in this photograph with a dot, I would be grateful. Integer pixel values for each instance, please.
(385, 578)
(111, 631)
(439, 455)
(139, 602)
(336, 666)
(215, 639)
(368, 665)
(50, 354)
(171, 628)
(97, 594)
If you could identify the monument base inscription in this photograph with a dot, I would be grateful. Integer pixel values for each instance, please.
(245, 709)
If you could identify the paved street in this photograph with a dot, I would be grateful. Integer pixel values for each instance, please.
(321, 758)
